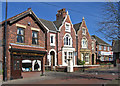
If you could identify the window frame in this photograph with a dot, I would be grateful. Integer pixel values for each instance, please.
(69, 29)
(52, 44)
(86, 43)
(69, 41)
(104, 47)
(82, 31)
(21, 35)
(100, 47)
(35, 37)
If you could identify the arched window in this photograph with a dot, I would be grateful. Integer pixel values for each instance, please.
(84, 43)
(67, 40)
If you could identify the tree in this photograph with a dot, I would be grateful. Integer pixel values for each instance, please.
(110, 25)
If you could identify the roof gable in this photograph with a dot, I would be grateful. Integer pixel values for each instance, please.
(100, 41)
(22, 15)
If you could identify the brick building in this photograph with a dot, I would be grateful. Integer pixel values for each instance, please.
(33, 42)
(104, 53)
(26, 44)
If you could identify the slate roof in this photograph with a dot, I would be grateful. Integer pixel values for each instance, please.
(76, 26)
(100, 41)
(58, 23)
(116, 46)
(49, 24)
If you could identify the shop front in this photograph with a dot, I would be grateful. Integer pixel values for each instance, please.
(24, 60)
(105, 57)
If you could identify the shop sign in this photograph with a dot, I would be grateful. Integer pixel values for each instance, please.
(32, 54)
(106, 53)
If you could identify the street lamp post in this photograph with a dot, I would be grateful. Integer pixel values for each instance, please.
(4, 48)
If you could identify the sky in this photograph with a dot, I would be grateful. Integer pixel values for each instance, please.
(91, 11)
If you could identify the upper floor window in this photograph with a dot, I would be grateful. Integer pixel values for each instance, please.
(20, 35)
(84, 43)
(34, 37)
(93, 45)
(52, 39)
(67, 27)
(108, 48)
(67, 40)
(104, 47)
(100, 47)
(83, 31)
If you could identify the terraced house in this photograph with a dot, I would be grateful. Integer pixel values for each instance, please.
(33, 43)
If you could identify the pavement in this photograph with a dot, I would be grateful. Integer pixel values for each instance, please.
(96, 76)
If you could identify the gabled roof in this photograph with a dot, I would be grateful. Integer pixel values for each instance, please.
(49, 24)
(23, 14)
(100, 41)
(58, 23)
(77, 26)
(116, 46)
(17, 15)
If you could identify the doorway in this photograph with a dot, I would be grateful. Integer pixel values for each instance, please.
(92, 59)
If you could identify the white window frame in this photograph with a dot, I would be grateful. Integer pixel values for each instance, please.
(93, 45)
(108, 48)
(69, 29)
(104, 48)
(83, 44)
(82, 31)
(69, 37)
(100, 47)
(87, 56)
(52, 44)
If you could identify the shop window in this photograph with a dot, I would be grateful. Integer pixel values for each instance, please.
(34, 37)
(16, 65)
(102, 58)
(20, 35)
(84, 43)
(52, 39)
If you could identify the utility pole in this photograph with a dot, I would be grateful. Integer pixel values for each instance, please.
(4, 48)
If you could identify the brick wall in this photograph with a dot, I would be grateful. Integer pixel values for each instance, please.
(12, 37)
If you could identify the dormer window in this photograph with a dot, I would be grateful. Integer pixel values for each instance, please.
(83, 31)
(67, 27)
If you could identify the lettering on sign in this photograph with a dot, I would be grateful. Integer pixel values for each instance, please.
(33, 54)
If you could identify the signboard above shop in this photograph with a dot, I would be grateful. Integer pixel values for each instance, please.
(106, 53)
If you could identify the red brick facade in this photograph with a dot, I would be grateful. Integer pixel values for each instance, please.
(27, 46)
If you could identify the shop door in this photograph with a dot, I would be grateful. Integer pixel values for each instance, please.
(16, 67)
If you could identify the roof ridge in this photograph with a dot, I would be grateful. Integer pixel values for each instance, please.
(17, 15)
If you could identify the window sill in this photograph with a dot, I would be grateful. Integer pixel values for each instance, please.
(52, 44)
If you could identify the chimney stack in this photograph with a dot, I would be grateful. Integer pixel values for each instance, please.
(61, 14)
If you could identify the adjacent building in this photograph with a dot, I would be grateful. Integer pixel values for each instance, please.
(104, 53)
